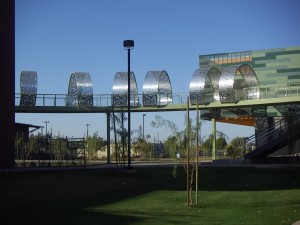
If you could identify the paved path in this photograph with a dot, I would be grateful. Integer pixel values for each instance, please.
(135, 164)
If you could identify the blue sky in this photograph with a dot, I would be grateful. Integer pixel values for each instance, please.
(58, 37)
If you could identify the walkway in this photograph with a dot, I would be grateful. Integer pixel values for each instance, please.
(136, 164)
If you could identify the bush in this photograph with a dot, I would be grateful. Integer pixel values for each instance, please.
(42, 164)
(33, 164)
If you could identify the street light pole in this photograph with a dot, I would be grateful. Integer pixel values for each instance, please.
(87, 130)
(128, 45)
(143, 126)
(46, 122)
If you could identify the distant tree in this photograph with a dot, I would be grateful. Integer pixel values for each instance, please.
(236, 147)
(230, 151)
(220, 134)
(58, 147)
(171, 146)
(93, 144)
(207, 145)
(32, 146)
(221, 143)
(20, 147)
(141, 148)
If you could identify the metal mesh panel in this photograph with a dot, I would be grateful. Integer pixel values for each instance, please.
(28, 87)
(120, 90)
(212, 89)
(157, 90)
(80, 91)
(204, 86)
(252, 90)
(238, 83)
(197, 88)
(226, 84)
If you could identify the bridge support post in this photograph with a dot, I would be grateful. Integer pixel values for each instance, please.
(214, 139)
(108, 136)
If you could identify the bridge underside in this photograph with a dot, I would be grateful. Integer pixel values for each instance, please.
(242, 112)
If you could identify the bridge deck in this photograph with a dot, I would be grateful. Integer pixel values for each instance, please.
(171, 107)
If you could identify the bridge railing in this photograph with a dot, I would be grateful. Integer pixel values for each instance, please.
(98, 99)
(265, 92)
(279, 91)
(279, 129)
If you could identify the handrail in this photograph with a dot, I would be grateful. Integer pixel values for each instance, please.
(265, 92)
(280, 128)
(98, 99)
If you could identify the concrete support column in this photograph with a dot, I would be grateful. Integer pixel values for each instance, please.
(108, 136)
(214, 139)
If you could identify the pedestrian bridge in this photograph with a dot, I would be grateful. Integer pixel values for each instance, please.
(232, 93)
(253, 88)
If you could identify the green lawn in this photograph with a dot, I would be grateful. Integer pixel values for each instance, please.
(152, 196)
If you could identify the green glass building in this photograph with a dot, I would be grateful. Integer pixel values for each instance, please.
(254, 75)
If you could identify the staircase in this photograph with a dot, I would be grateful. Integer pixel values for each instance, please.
(274, 139)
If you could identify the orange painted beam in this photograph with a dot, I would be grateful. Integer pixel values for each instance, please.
(245, 121)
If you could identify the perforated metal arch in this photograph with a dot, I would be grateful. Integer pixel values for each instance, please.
(197, 88)
(80, 91)
(238, 83)
(157, 89)
(212, 85)
(204, 86)
(120, 90)
(28, 88)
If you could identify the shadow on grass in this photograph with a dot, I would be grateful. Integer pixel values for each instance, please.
(248, 179)
(66, 197)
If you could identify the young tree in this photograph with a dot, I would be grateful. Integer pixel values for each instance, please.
(120, 134)
(184, 144)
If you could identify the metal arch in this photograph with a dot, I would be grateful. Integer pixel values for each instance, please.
(80, 90)
(157, 89)
(232, 89)
(204, 86)
(120, 90)
(212, 87)
(197, 84)
(28, 87)
(252, 90)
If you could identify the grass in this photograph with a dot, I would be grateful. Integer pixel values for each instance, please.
(152, 196)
